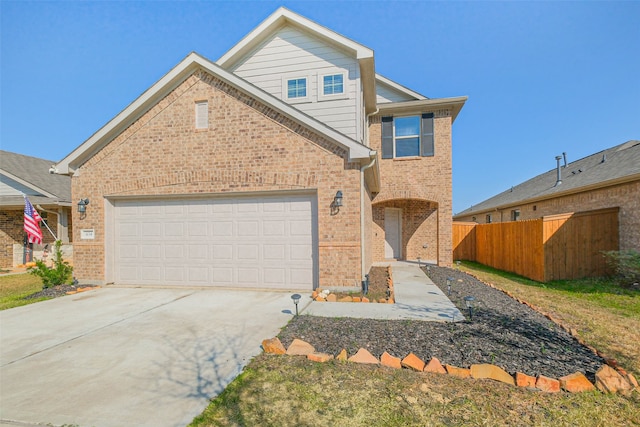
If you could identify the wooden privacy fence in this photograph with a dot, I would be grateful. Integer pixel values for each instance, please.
(565, 246)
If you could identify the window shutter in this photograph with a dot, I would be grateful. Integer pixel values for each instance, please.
(427, 148)
(387, 137)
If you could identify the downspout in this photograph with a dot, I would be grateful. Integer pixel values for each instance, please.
(362, 195)
(373, 158)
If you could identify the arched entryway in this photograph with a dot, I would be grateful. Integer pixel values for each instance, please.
(405, 229)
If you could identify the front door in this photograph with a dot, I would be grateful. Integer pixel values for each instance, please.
(393, 233)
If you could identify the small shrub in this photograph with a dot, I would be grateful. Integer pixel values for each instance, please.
(626, 264)
(59, 274)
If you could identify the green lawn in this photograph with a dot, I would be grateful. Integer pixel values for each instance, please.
(14, 287)
(291, 391)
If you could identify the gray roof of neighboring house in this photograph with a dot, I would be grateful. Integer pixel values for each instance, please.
(34, 173)
(621, 163)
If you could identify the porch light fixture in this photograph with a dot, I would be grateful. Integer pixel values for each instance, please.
(468, 301)
(336, 204)
(449, 280)
(296, 300)
(82, 205)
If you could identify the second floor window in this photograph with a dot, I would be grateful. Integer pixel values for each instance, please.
(333, 84)
(407, 136)
(297, 88)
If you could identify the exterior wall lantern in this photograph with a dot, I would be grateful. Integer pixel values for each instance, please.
(337, 203)
(82, 205)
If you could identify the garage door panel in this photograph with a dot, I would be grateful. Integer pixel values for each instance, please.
(246, 242)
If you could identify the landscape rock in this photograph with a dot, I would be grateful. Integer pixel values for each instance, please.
(549, 385)
(356, 299)
(363, 356)
(364, 299)
(435, 366)
(332, 298)
(342, 356)
(524, 380)
(485, 370)
(300, 348)
(273, 346)
(413, 362)
(392, 362)
(319, 357)
(576, 383)
(346, 299)
(608, 380)
(320, 298)
(458, 372)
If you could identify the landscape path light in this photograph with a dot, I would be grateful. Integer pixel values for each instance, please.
(468, 301)
(296, 300)
(449, 280)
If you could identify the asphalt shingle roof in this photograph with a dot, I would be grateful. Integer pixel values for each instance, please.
(619, 162)
(35, 171)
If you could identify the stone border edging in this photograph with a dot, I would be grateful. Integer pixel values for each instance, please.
(611, 362)
(608, 380)
(326, 295)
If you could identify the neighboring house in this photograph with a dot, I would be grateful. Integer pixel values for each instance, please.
(230, 173)
(607, 179)
(51, 195)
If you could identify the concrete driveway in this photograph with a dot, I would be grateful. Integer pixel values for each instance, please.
(129, 356)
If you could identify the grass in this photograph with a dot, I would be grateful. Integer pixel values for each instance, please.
(14, 288)
(291, 391)
(604, 314)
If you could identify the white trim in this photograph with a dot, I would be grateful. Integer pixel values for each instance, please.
(419, 106)
(281, 17)
(174, 78)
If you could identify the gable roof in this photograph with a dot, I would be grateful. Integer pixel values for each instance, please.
(170, 81)
(612, 166)
(283, 16)
(33, 173)
(398, 87)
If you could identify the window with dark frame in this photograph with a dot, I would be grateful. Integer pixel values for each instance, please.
(407, 136)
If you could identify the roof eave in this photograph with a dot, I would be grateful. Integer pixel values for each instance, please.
(596, 186)
(169, 82)
(397, 86)
(455, 104)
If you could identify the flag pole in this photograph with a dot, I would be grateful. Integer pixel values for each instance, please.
(47, 225)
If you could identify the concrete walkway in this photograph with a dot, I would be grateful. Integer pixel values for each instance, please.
(417, 298)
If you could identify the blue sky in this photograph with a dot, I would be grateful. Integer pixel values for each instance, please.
(541, 77)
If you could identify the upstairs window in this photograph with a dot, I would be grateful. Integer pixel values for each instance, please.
(333, 84)
(409, 136)
(297, 88)
(202, 115)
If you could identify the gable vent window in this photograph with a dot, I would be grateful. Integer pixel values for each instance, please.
(297, 88)
(202, 115)
(408, 136)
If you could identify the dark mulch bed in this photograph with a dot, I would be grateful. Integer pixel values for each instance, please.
(503, 332)
(56, 291)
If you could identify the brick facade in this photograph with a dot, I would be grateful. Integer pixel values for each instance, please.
(247, 148)
(625, 196)
(421, 187)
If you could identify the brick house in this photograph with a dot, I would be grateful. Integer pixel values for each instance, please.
(288, 163)
(49, 193)
(607, 179)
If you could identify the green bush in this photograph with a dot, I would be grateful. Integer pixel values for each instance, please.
(626, 264)
(59, 274)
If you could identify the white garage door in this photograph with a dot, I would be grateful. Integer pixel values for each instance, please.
(257, 242)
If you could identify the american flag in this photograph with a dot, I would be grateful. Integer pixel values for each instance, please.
(31, 222)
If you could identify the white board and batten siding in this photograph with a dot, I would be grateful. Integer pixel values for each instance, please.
(290, 53)
(246, 242)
